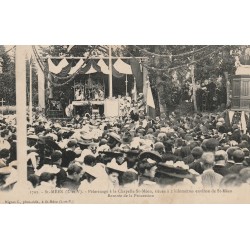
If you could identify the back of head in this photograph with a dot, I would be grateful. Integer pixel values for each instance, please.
(74, 168)
(89, 160)
(238, 156)
(72, 143)
(185, 151)
(231, 180)
(208, 160)
(159, 146)
(4, 153)
(230, 152)
(129, 177)
(45, 176)
(56, 155)
(178, 142)
(220, 157)
(211, 144)
(245, 174)
(197, 152)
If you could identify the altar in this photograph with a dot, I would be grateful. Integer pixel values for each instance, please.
(108, 107)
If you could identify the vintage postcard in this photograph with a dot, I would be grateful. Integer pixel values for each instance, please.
(124, 124)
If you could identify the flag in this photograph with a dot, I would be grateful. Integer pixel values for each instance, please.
(134, 92)
(231, 114)
(150, 104)
(227, 121)
(136, 70)
(243, 122)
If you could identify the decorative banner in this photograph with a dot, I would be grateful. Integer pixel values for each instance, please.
(115, 73)
(76, 67)
(104, 67)
(136, 69)
(122, 67)
(90, 68)
(150, 102)
(57, 69)
(64, 68)
(65, 71)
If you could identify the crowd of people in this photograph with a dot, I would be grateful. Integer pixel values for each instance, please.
(199, 150)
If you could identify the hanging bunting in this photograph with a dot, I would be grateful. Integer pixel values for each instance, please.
(85, 68)
(122, 67)
(65, 71)
(57, 69)
(115, 73)
(104, 67)
(76, 67)
(136, 69)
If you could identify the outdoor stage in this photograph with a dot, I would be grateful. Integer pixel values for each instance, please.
(107, 107)
(91, 77)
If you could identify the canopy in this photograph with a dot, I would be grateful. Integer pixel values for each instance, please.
(65, 67)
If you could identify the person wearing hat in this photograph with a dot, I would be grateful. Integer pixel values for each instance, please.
(131, 157)
(4, 174)
(4, 157)
(174, 174)
(196, 164)
(113, 140)
(159, 147)
(74, 176)
(47, 181)
(220, 163)
(147, 169)
(111, 177)
(115, 172)
(69, 154)
(8, 178)
(90, 175)
(230, 161)
(54, 167)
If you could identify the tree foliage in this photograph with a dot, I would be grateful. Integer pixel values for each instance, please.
(7, 78)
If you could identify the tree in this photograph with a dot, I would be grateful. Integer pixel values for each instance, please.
(7, 78)
(172, 66)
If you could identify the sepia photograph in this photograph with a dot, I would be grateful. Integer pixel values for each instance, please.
(125, 124)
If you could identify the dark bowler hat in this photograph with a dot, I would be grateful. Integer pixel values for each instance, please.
(112, 154)
(132, 152)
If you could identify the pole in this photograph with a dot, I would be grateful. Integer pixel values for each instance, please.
(21, 115)
(2, 105)
(194, 85)
(110, 73)
(126, 81)
(30, 104)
